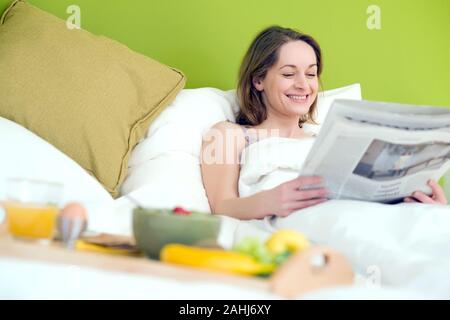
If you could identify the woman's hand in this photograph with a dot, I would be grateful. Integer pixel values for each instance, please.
(438, 196)
(293, 195)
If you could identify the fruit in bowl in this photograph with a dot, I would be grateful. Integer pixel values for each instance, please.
(154, 228)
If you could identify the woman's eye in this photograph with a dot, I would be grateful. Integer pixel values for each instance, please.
(311, 75)
(288, 75)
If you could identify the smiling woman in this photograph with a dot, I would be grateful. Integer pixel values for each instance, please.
(277, 91)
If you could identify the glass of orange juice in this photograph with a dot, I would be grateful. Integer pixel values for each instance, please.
(31, 208)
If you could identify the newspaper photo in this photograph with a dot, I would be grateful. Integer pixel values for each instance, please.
(382, 152)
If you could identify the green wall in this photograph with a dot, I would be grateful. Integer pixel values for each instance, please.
(405, 61)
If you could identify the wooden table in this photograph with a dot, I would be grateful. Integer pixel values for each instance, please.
(55, 253)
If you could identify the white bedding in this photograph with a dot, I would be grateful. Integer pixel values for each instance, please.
(22, 279)
(401, 246)
(36, 280)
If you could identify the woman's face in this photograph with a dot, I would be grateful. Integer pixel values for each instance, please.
(291, 85)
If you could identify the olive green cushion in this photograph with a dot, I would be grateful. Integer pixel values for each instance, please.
(91, 97)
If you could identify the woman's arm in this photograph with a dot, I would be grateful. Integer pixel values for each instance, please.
(220, 165)
(221, 150)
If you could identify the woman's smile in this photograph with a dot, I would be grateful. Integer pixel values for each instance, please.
(300, 99)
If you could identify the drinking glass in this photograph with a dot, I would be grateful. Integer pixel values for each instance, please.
(31, 208)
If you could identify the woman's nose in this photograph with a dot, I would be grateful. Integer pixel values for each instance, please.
(300, 82)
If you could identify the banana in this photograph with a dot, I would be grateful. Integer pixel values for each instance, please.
(214, 260)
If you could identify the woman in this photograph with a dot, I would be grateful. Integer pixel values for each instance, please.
(277, 92)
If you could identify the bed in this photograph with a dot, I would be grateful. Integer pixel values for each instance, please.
(396, 252)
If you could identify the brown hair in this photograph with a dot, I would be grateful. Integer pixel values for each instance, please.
(260, 57)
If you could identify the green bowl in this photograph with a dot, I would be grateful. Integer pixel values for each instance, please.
(154, 228)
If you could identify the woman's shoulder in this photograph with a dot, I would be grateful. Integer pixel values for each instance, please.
(228, 128)
(228, 132)
(227, 125)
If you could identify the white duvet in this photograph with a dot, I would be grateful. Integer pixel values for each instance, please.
(403, 246)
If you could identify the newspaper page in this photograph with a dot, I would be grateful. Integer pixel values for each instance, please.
(381, 152)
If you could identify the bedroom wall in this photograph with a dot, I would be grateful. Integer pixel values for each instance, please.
(404, 61)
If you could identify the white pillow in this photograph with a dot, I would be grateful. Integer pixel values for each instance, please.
(166, 162)
(169, 180)
(25, 155)
(180, 126)
(326, 98)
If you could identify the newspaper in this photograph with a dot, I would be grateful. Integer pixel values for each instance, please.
(382, 152)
